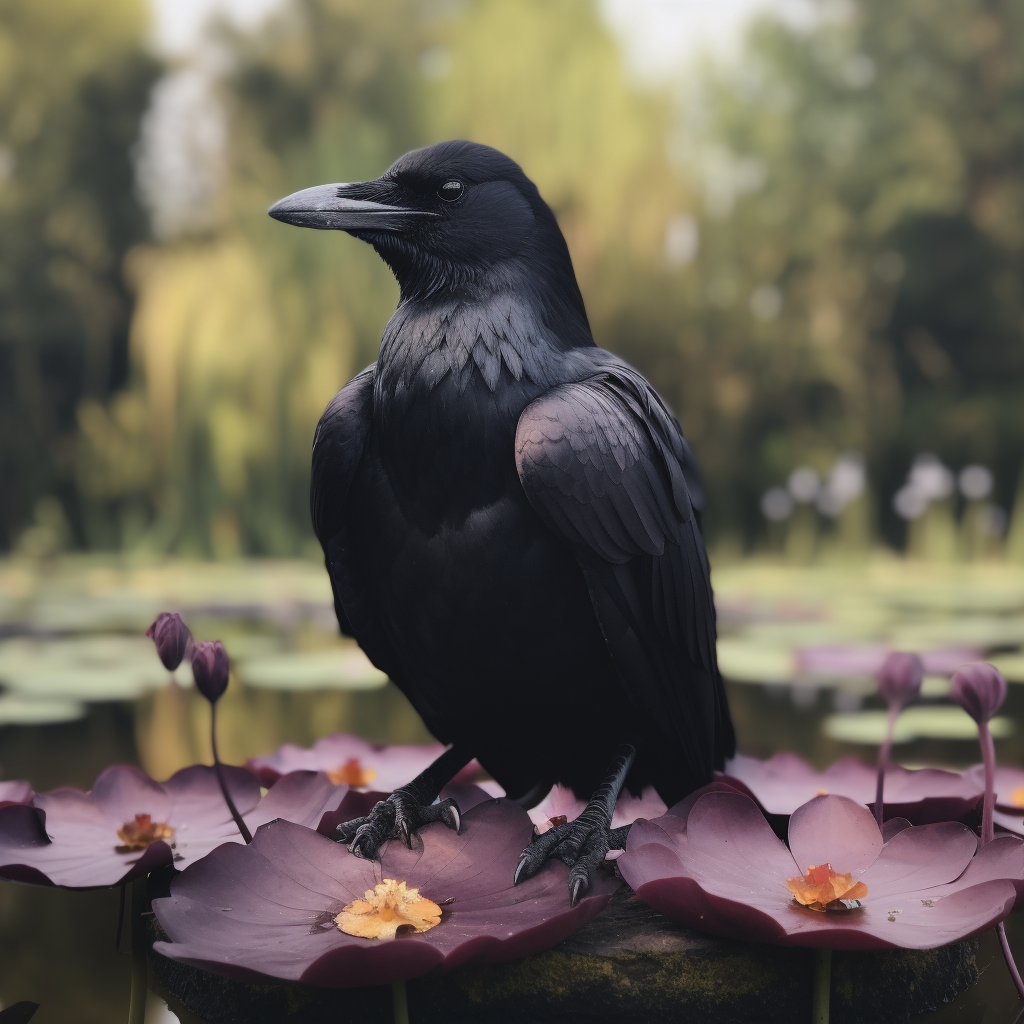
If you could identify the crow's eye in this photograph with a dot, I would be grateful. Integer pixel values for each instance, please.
(451, 190)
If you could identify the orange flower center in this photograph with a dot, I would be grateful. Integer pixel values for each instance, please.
(353, 773)
(1017, 797)
(142, 832)
(822, 886)
(386, 909)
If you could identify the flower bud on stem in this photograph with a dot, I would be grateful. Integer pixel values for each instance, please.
(211, 671)
(979, 689)
(899, 683)
(219, 769)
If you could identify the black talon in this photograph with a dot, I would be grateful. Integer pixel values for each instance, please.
(523, 861)
(574, 894)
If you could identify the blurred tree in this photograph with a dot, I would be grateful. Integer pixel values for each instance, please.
(859, 282)
(242, 337)
(74, 81)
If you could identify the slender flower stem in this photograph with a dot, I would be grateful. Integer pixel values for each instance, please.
(883, 761)
(1011, 966)
(988, 756)
(822, 985)
(400, 1002)
(218, 768)
(137, 1003)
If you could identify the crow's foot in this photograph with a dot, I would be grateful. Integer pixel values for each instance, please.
(583, 843)
(398, 817)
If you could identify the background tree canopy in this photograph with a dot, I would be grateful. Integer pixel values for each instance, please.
(814, 250)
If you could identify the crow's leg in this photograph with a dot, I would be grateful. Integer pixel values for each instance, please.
(407, 809)
(583, 842)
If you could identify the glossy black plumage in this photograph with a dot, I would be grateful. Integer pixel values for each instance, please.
(506, 510)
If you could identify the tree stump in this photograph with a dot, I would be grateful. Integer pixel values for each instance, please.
(630, 963)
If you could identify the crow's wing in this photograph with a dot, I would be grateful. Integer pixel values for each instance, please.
(338, 447)
(604, 464)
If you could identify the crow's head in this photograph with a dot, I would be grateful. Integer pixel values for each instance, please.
(447, 217)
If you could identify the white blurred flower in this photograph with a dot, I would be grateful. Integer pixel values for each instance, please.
(803, 484)
(776, 504)
(930, 477)
(909, 502)
(844, 483)
(975, 482)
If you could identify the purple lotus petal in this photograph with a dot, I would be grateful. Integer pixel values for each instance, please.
(784, 782)
(15, 791)
(867, 659)
(70, 839)
(834, 830)
(562, 801)
(921, 857)
(392, 765)
(1009, 785)
(924, 795)
(267, 909)
(723, 870)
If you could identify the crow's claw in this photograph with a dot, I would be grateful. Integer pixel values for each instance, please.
(398, 817)
(581, 844)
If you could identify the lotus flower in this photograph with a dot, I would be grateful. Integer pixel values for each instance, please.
(129, 824)
(868, 659)
(723, 870)
(1008, 812)
(268, 910)
(349, 759)
(924, 795)
(15, 791)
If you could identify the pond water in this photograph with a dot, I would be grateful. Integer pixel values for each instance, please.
(80, 689)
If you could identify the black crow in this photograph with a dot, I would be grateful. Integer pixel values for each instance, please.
(506, 517)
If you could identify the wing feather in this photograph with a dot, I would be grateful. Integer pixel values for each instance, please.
(605, 465)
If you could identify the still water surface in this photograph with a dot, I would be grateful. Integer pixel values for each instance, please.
(80, 691)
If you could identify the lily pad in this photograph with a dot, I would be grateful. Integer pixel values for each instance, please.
(336, 668)
(1011, 665)
(18, 710)
(84, 668)
(939, 723)
(746, 662)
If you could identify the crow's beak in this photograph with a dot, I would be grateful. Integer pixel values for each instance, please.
(329, 208)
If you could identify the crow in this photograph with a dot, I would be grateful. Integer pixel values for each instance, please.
(507, 514)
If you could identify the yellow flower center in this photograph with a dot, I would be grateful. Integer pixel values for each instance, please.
(353, 773)
(822, 886)
(387, 909)
(1017, 797)
(142, 832)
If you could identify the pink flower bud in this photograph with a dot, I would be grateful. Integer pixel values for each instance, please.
(979, 689)
(210, 668)
(899, 679)
(171, 637)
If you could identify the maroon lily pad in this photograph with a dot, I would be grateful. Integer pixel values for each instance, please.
(267, 910)
(70, 838)
(379, 767)
(867, 659)
(922, 795)
(15, 791)
(723, 870)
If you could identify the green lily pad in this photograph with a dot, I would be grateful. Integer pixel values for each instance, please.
(336, 668)
(746, 662)
(92, 668)
(1011, 665)
(16, 709)
(940, 723)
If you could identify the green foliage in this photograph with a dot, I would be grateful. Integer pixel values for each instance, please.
(815, 251)
(74, 81)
